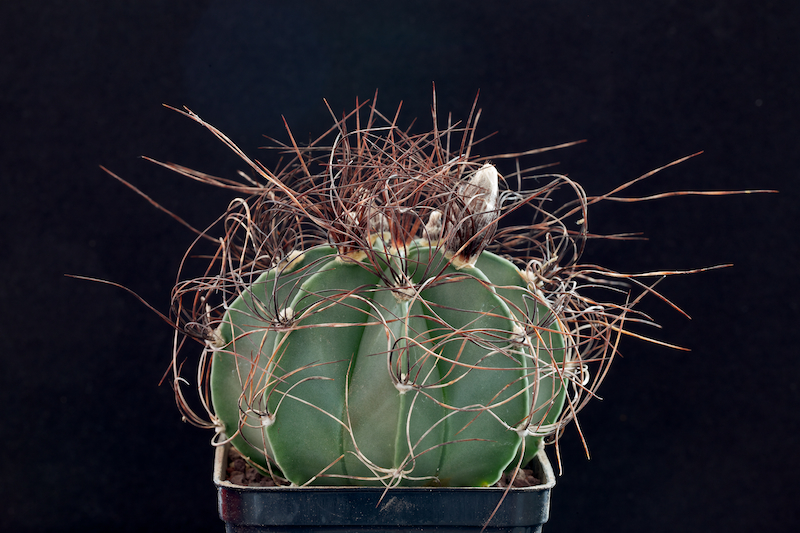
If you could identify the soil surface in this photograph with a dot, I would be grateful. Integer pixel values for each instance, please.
(241, 473)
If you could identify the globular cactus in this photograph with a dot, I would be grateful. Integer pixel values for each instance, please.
(407, 362)
(380, 315)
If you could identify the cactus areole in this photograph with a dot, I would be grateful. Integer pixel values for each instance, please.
(388, 309)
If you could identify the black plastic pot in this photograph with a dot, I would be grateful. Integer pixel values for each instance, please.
(367, 509)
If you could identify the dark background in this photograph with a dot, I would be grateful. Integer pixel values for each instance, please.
(683, 441)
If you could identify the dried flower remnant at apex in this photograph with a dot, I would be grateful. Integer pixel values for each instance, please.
(474, 226)
(377, 322)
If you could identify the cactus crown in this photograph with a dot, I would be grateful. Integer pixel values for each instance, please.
(387, 308)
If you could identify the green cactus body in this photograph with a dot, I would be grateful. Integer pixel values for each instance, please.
(339, 377)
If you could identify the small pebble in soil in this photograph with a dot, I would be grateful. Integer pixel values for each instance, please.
(241, 473)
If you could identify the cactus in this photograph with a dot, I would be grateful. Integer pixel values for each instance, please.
(323, 366)
(388, 310)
